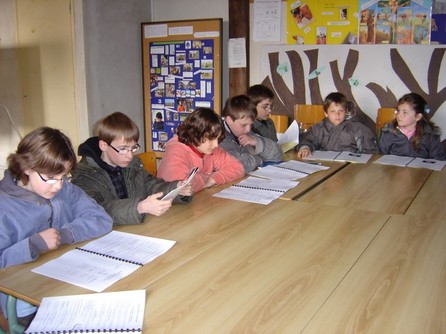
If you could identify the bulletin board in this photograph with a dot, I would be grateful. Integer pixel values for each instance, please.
(182, 70)
(322, 22)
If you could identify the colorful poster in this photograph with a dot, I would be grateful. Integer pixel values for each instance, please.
(181, 80)
(322, 22)
(395, 21)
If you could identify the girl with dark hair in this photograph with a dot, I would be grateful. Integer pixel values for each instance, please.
(412, 133)
(197, 145)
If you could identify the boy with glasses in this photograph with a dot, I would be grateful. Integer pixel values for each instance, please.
(263, 97)
(110, 172)
(40, 209)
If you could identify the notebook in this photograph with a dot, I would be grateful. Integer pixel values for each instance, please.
(110, 312)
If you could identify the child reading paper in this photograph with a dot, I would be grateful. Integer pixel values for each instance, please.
(40, 209)
(110, 172)
(196, 145)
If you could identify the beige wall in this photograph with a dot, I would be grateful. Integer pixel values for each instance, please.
(45, 53)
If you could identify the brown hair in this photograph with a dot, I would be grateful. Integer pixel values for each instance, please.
(240, 106)
(258, 93)
(200, 125)
(419, 104)
(44, 150)
(117, 126)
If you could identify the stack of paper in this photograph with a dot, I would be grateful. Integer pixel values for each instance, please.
(339, 156)
(288, 170)
(402, 161)
(257, 190)
(104, 261)
(111, 312)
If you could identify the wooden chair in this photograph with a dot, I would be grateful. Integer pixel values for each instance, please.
(280, 122)
(384, 115)
(308, 114)
(148, 160)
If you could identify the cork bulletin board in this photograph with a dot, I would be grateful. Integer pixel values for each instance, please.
(182, 71)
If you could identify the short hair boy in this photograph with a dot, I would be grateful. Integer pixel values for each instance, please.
(263, 97)
(251, 149)
(337, 132)
(110, 172)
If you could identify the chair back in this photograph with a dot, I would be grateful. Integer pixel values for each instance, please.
(280, 122)
(384, 115)
(308, 114)
(13, 323)
(148, 160)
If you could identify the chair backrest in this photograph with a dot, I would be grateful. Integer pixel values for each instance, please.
(384, 115)
(148, 160)
(308, 114)
(280, 122)
(13, 323)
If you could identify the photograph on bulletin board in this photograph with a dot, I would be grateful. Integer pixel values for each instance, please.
(395, 22)
(181, 80)
(322, 22)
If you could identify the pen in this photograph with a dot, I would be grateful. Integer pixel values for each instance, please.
(314, 163)
(355, 155)
(429, 161)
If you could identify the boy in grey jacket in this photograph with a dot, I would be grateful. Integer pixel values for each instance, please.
(251, 149)
(336, 132)
(111, 174)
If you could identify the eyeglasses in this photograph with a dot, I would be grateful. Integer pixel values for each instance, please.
(267, 107)
(125, 150)
(53, 180)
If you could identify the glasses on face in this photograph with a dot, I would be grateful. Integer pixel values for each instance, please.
(51, 180)
(267, 107)
(125, 150)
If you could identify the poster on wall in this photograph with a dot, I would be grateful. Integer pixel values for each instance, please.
(182, 72)
(322, 22)
(395, 22)
(181, 80)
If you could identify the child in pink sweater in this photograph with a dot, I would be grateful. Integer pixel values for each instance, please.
(196, 145)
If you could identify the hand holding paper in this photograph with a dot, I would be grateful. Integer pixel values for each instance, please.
(175, 192)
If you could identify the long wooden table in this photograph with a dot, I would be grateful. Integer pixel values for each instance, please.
(430, 200)
(338, 259)
(375, 187)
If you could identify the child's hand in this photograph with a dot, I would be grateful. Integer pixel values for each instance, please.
(154, 205)
(303, 152)
(51, 237)
(210, 182)
(247, 140)
(187, 190)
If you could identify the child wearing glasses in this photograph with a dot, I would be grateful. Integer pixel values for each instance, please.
(263, 97)
(412, 133)
(40, 209)
(110, 172)
(196, 145)
(251, 149)
(336, 132)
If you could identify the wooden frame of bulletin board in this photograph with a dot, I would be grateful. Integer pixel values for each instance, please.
(181, 71)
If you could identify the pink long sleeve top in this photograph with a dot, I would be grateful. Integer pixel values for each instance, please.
(179, 159)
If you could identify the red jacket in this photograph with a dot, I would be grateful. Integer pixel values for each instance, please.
(179, 159)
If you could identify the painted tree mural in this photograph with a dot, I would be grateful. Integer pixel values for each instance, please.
(434, 95)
